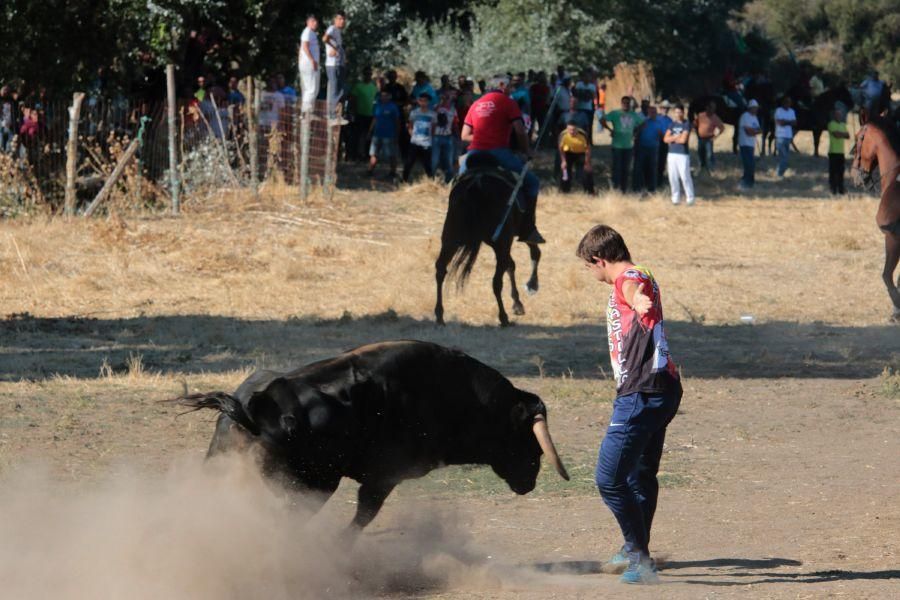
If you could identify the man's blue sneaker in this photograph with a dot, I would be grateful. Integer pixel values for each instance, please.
(643, 573)
(617, 564)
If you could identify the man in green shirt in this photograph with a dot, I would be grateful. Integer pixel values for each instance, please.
(837, 136)
(362, 104)
(624, 125)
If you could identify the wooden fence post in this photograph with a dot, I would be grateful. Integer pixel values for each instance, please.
(72, 152)
(252, 103)
(305, 119)
(331, 128)
(173, 152)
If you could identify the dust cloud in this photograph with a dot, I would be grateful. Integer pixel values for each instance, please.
(217, 530)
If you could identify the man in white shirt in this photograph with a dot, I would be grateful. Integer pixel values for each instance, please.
(309, 65)
(785, 122)
(335, 62)
(748, 129)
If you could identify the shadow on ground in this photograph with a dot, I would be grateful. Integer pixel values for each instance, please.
(35, 348)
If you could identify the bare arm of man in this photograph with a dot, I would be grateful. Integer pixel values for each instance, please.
(587, 160)
(467, 134)
(305, 49)
(636, 298)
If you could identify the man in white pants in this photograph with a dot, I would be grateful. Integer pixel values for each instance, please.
(309, 66)
(678, 161)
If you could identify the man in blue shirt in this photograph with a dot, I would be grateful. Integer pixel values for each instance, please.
(384, 129)
(646, 154)
(664, 122)
(423, 86)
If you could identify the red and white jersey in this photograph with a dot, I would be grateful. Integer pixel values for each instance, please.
(638, 348)
(491, 118)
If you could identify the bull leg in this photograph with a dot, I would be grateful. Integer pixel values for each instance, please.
(891, 258)
(371, 497)
(503, 259)
(229, 436)
(518, 308)
(440, 272)
(532, 286)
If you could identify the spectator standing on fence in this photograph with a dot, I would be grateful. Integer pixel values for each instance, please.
(585, 93)
(664, 121)
(837, 137)
(383, 130)
(423, 86)
(7, 118)
(335, 63)
(748, 129)
(646, 154)
(362, 107)
(785, 121)
(709, 126)
(575, 158)
(309, 66)
(443, 151)
(622, 124)
(421, 134)
(679, 158)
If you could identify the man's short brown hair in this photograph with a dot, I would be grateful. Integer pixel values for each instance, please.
(602, 241)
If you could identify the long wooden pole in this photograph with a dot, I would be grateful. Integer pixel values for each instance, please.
(252, 104)
(72, 152)
(114, 177)
(173, 152)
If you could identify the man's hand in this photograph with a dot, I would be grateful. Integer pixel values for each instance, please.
(641, 302)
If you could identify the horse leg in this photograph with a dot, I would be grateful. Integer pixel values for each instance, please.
(518, 308)
(817, 135)
(891, 258)
(440, 272)
(532, 286)
(503, 258)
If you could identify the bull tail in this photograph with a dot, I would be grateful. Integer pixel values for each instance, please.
(462, 231)
(224, 403)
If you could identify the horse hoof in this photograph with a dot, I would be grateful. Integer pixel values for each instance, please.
(440, 322)
(518, 309)
(531, 289)
(505, 324)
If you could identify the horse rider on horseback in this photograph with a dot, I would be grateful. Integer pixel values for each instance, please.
(872, 88)
(488, 127)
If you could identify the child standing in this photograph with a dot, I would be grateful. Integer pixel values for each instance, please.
(648, 392)
(421, 133)
(446, 126)
(383, 129)
(837, 134)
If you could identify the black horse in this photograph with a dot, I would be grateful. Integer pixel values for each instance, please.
(815, 117)
(477, 205)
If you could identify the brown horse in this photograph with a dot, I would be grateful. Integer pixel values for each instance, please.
(878, 143)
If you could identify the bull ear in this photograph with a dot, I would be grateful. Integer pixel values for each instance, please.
(526, 407)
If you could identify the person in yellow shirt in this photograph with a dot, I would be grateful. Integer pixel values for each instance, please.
(837, 139)
(575, 158)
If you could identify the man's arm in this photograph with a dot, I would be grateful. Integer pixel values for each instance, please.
(305, 48)
(635, 296)
(522, 137)
(587, 159)
(466, 134)
(668, 136)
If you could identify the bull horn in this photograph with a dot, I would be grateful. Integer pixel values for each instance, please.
(542, 433)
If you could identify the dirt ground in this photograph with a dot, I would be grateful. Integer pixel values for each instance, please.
(780, 477)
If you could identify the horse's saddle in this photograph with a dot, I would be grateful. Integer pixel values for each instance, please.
(483, 166)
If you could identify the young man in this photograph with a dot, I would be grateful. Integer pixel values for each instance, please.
(837, 136)
(679, 159)
(785, 121)
(423, 86)
(383, 130)
(709, 126)
(309, 66)
(648, 392)
(421, 132)
(647, 152)
(748, 129)
(585, 93)
(443, 151)
(335, 59)
(622, 124)
(664, 121)
(575, 158)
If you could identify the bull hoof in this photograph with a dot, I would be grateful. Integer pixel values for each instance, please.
(518, 309)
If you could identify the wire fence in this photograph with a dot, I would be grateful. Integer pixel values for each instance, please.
(222, 142)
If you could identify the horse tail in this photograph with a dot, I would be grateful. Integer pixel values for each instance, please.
(463, 230)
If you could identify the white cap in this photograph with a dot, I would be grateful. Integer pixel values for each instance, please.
(753, 104)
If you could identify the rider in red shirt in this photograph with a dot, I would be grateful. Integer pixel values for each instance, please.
(488, 127)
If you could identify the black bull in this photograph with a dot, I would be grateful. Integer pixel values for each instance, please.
(381, 414)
